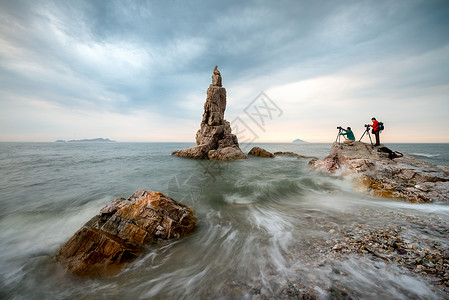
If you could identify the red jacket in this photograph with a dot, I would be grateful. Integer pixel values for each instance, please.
(375, 125)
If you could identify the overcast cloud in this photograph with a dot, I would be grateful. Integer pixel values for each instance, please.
(139, 70)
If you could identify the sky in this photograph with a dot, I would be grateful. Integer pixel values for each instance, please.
(138, 71)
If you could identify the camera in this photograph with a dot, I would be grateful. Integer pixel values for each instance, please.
(367, 126)
(339, 127)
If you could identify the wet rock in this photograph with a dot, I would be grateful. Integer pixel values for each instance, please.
(338, 247)
(288, 154)
(256, 151)
(214, 139)
(292, 154)
(404, 178)
(121, 230)
(226, 154)
(424, 257)
(390, 237)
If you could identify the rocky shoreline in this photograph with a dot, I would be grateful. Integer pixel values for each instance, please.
(337, 247)
(398, 244)
(424, 255)
(405, 178)
(409, 248)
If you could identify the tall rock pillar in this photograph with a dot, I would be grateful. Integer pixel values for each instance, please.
(214, 138)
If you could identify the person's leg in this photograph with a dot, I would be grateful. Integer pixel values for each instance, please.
(376, 134)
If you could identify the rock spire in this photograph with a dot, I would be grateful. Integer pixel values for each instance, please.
(214, 138)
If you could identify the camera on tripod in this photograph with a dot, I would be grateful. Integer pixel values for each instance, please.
(339, 127)
(367, 132)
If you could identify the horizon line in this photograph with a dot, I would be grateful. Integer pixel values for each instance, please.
(179, 142)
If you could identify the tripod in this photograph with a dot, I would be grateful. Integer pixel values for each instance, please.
(367, 131)
(338, 135)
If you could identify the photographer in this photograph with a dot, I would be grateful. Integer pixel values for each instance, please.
(348, 134)
(376, 131)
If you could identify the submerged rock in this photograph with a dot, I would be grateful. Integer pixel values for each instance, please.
(214, 138)
(256, 151)
(374, 172)
(287, 154)
(120, 231)
(292, 154)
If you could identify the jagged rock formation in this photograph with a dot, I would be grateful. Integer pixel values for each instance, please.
(256, 151)
(214, 138)
(405, 178)
(118, 233)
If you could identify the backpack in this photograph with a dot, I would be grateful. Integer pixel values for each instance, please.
(381, 126)
(391, 154)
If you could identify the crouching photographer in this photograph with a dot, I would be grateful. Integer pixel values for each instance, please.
(348, 134)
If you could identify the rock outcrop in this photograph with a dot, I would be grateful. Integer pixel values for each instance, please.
(121, 230)
(256, 151)
(405, 178)
(287, 154)
(292, 154)
(214, 138)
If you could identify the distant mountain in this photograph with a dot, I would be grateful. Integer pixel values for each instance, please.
(97, 140)
(299, 141)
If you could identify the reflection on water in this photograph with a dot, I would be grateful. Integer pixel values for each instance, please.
(264, 228)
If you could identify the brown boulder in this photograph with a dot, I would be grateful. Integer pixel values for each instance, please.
(196, 152)
(256, 151)
(226, 154)
(120, 231)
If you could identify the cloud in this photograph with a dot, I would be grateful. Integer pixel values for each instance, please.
(402, 92)
(121, 57)
(36, 120)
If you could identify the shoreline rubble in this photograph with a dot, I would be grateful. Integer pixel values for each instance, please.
(403, 178)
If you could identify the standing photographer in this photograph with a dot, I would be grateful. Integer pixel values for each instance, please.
(376, 131)
(349, 135)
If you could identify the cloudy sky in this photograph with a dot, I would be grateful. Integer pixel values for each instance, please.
(139, 70)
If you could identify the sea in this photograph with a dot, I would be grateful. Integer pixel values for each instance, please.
(262, 223)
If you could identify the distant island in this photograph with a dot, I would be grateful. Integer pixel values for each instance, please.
(299, 141)
(97, 140)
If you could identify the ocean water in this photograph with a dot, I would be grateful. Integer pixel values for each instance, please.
(262, 223)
